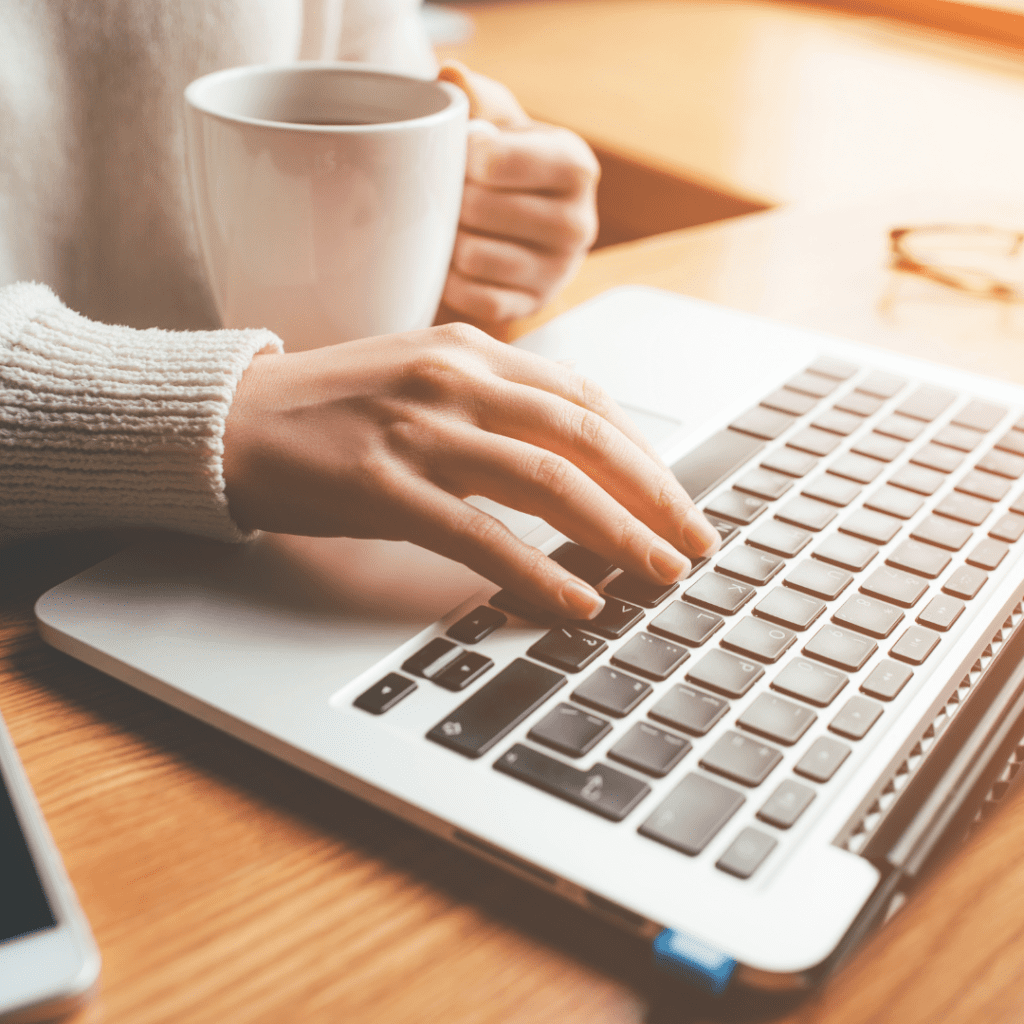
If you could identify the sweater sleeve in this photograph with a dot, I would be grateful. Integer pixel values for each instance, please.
(104, 426)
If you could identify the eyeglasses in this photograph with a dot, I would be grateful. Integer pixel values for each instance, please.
(970, 259)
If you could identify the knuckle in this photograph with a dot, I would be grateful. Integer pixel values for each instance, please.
(592, 430)
(552, 473)
(594, 397)
(671, 499)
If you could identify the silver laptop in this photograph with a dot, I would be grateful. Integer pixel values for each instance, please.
(749, 768)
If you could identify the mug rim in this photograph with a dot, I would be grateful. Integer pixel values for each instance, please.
(458, 102)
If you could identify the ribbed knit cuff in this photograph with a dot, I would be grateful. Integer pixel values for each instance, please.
(105, 426)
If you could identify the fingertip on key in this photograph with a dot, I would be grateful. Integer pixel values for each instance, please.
(667, 563)
(580, 601)
(701, 537)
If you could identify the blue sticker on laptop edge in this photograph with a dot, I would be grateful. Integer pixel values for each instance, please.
(696, 961)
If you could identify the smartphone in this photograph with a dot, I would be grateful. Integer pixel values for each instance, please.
(49, 962)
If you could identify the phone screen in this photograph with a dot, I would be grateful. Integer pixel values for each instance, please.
(23, 904)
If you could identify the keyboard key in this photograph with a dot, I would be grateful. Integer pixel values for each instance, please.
(511, 602)
(922, 559)
(777, 719)
(810, 682)
(750, 565)
(569, 730)
(686, 623)
(832, 489)
(818, 579)
(786, 804)
(846, 552)
(856, 718)
(979, 415)
(856, 467)
(984, 485)
(933, 456)
(719, 593)
(1018, 505)
(726, 531)
(432, 658)
(741, 759)
(615, 619)
(886, 680)
(650, 750)
(746, 853)
(859, 404)
(961, 438)
(692, 814)
(763, 423)
(823, 759)
(761, 640)
(895, 586)
(790, 461)
(763, 483)
(737, 507)
(1012, 441)
(601, 789)
(688, 709)
(807, 513)
(988, 554)
(877, 446)
(943, 533)
(385, 694)
(927, 402)
(831, 366)
(817, 442)
(840, 647)
(881, 384)
(613, 692)
(834, 421)
(650, 656)
(900, 427)
(725, 673)
(873, 526)
(463, 671)
(779, 538)
(812, 384)
(965, 582)
(941, 612)
(917, 479)
(496, 708)
(869, 615)
(915, 645)
(791, 402)
(1003, 464)
(567, 649)
(639, 591)
(714, 460)
(478, 624)
(1009, 528)
(447, 664)
(789, 608)
(895, 502)
(580, 562)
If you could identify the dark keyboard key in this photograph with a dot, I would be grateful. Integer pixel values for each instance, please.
(650, 656)
(941, 612)
(831, 366)
(943, 533)
(859, 404)
(894, 585)
(601, 789)
(895, 502)
(979, 415)
(790, 461)
(856, 718)
(818, 579)
(750, 565)
(650, 750)
(615, 619)
(764, 641)
(915, 645)
(692, 815)
(817, 442)
(786, 804)
(736, 506)
(964, 508)
(791, 402)
(960, 438)
(832, 489)
(933, 456)
(856, 467)
(725, 673)
(823, 759)
(478, 624)
(713, 461)
(612, 692)
(688, 709)
(719, 593)
(569, 730)
(580, 562)
(510, 602)
(806, 512)
(763, 483)
(1009, 528)
(567, 649)
(810, 682)
(763, 423)
(789, 608)
(886, 680)
(686, 623)
(965, 582)
(835, 421)
(840, 647)
(988, 554)
(1003, 464)
(922, 559)
(873, 526)
(917, 479)
(741, 759)
(846, 552)
(746, 853)
(1012, 441)
(639, 591)
(869, 615)
(927, 402)
(900, 427)
(496, 708)
(464, 670)
(385, 694)
(779, 538)
(877, 446)
(812, 384)
(777, 719)
(882, 384)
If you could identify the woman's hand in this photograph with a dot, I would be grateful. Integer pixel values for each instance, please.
(529, 211)
(384, 437)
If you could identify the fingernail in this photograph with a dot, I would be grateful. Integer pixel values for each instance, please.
(668, 563)
(580, 601)
(701, 537)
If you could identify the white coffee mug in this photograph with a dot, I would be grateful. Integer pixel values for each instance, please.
(326, 196)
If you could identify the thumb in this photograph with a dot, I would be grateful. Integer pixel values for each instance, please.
(488, 99)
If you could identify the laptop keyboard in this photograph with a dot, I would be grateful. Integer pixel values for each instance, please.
(861, 516)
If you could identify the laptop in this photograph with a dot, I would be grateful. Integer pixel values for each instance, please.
(750, 768)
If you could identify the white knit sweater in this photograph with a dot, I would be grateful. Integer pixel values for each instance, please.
(106, 425)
